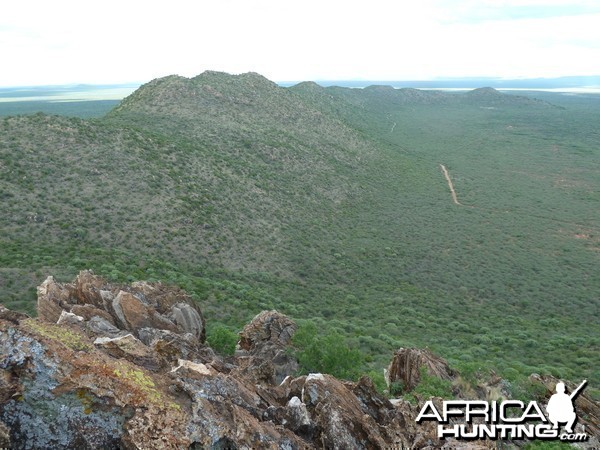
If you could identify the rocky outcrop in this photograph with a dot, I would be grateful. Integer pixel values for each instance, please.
(154, 324)
(108, 366)
(407, 363)
(125, 366)
(117, 310)
(265, 341)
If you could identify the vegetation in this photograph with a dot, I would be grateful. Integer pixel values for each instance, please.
(431, 386)
(329, 205)
(541, 445)
(326, 354)
(83, 109)
(222, 339)
(61, 334)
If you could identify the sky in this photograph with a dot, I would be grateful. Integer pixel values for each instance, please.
(118, 41)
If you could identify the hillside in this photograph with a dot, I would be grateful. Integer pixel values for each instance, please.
(329, 205)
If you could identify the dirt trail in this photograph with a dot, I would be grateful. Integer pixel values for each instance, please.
(450, 185)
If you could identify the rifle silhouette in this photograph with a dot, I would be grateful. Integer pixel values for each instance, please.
(576, 391)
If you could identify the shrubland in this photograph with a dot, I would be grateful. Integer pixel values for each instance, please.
(327, 204)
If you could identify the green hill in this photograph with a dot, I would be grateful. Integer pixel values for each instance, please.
(328, 204)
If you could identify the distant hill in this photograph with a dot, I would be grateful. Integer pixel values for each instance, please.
(568, 82)
(491, 96)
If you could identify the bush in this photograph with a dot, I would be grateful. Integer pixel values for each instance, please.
(326, 354)
(432, 386)
(396, 389)
(526, 390)
(378, 380)
(222, 339)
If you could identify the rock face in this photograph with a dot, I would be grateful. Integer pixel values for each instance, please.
(128, 308)
(407, 363)
(265, 340)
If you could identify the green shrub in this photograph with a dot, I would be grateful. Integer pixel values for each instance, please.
(326, 354)
(378, 380)
(396, 389)
(221, 339)
(432, 386)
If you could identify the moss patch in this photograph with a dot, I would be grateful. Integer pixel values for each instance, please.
(140, 381)
(63, 335)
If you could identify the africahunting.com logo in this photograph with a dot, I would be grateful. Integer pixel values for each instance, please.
(509, 419)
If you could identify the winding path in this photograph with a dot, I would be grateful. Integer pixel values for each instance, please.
(450, 185)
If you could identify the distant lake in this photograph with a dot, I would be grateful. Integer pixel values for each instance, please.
(72, 93)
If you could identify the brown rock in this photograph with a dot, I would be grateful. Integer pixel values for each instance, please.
(89, 311)
(131, 313)
(343, 422)
(173, 303)
(86, 289)
(188, 319)
(126, 368)
(406, 365)
(130, 348)
(268, 327)
(141, 305)
(52, 300)
(67, 318)
(69, 395)
(267, 337)
(12, 316)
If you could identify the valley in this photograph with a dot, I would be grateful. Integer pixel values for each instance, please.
(329, 205)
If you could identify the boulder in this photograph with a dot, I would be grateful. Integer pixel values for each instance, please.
(266, 339)
(128, 307)
(12, 316)
(52, 300)
(407, 363)
(344, 420)
(130, 348)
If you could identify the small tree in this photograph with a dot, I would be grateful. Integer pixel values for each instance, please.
(326, 354)
(222, 340)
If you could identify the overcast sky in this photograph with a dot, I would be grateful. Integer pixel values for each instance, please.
(114, 41)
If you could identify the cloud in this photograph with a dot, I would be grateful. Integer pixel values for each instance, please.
(477, 11)
(66, 41)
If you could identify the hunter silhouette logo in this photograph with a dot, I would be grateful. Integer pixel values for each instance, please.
(509, 419)
(560, 407)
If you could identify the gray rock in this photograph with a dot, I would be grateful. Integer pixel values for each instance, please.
(102, 327)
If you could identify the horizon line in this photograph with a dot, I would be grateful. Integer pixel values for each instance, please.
(494, 79)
